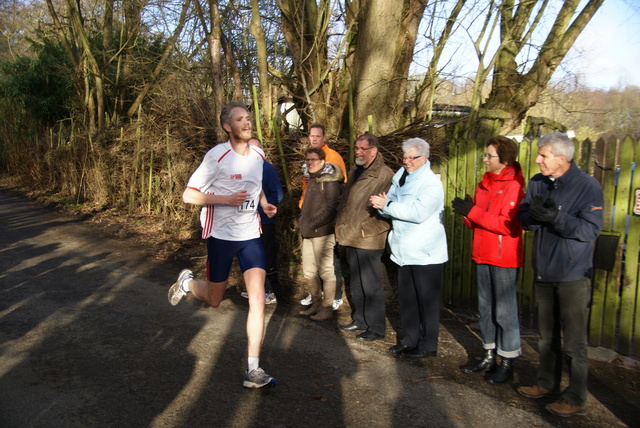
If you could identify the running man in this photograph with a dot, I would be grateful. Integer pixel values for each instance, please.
(228, 187)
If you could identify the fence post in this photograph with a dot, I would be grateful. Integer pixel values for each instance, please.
(624, 201)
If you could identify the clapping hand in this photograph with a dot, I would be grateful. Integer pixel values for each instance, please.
(544, 211)
(462, 206)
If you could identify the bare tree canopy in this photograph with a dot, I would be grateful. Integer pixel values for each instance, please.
(384, 63)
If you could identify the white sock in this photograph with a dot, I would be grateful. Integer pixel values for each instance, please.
(253, 363)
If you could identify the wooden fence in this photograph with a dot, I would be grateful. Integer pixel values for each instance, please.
(615, 310)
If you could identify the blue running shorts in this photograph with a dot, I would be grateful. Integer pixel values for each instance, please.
(220, 255)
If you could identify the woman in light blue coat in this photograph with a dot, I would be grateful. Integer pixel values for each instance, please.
(414, 204)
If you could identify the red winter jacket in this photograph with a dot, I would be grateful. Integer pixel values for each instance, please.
(497, 234)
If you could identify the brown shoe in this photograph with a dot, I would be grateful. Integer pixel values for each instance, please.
(565, 409)
(311, 310)
(534, 391)
(323, 314)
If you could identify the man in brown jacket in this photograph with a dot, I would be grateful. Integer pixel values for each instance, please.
(363, 233)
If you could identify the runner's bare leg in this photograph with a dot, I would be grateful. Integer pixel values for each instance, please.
(254, 281)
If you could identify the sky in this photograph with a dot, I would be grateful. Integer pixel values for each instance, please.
(607, 53)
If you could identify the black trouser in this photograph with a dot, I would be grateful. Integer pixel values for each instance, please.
(367, 293)
(419, 299)
(270, 244)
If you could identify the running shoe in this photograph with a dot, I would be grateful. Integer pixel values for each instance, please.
(270, 298)
(177, 291)
(257, 378)
(336, 304)
(306, 301)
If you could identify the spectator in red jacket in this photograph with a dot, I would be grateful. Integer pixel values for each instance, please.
(497, 252)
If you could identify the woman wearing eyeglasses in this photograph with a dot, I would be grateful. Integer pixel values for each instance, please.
(497, 252)
(414, 203)
(317, 218)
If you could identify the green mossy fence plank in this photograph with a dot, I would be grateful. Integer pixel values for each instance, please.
(458, 247)
(469, 293)
(583, 156)
(527, 292)
(632, 264)
(448, 221)
(598, 292)
(624, 201)
(612, 295)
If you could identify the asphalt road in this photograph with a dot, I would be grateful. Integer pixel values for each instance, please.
(87, 338)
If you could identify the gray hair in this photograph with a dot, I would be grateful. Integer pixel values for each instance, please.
(420, 145)
(561, 144)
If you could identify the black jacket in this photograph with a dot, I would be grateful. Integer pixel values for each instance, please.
(563, 250)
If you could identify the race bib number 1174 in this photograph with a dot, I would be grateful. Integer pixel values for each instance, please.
(247, 206)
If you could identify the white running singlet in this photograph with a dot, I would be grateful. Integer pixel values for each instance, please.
(224, 172)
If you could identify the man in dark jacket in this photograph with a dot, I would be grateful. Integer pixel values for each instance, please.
(363, 232)
(272, 188)
(564, 206)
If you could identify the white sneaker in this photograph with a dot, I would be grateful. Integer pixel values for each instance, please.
(306, 301)
(245, 294)
(270, 298)
(257, 378)
(336, 304)
(177, 291)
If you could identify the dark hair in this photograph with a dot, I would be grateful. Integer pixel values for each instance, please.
(316, 150)
(225, 114)
(317, 125)
(370, 138)
(506, 148)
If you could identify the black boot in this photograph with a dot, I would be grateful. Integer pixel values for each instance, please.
(488, 363)
(504, 372)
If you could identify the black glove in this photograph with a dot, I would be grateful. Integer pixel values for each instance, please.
(544, 212)
(462, 206)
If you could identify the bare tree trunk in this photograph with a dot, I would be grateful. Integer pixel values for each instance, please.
(132, 10)
(305, 24)
(214, 43)
(230, 58)
(152, 80)
(265, 95)
(426, 92)
(385, 38)
(92, 64)
(514, 92)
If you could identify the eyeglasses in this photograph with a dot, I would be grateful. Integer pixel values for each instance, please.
(411, 158)
(361, 149)
(312, 160)
(488, 156)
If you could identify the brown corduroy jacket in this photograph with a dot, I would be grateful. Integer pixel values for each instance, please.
(358, 224)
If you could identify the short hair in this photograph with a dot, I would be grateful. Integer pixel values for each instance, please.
(225, 114)
(317, 150)
(561, 144)
(506, 148)
(317, 125)
(370, 138)
(420, 145)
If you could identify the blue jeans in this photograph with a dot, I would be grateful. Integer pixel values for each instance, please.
(563, 314)
(498, 307)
